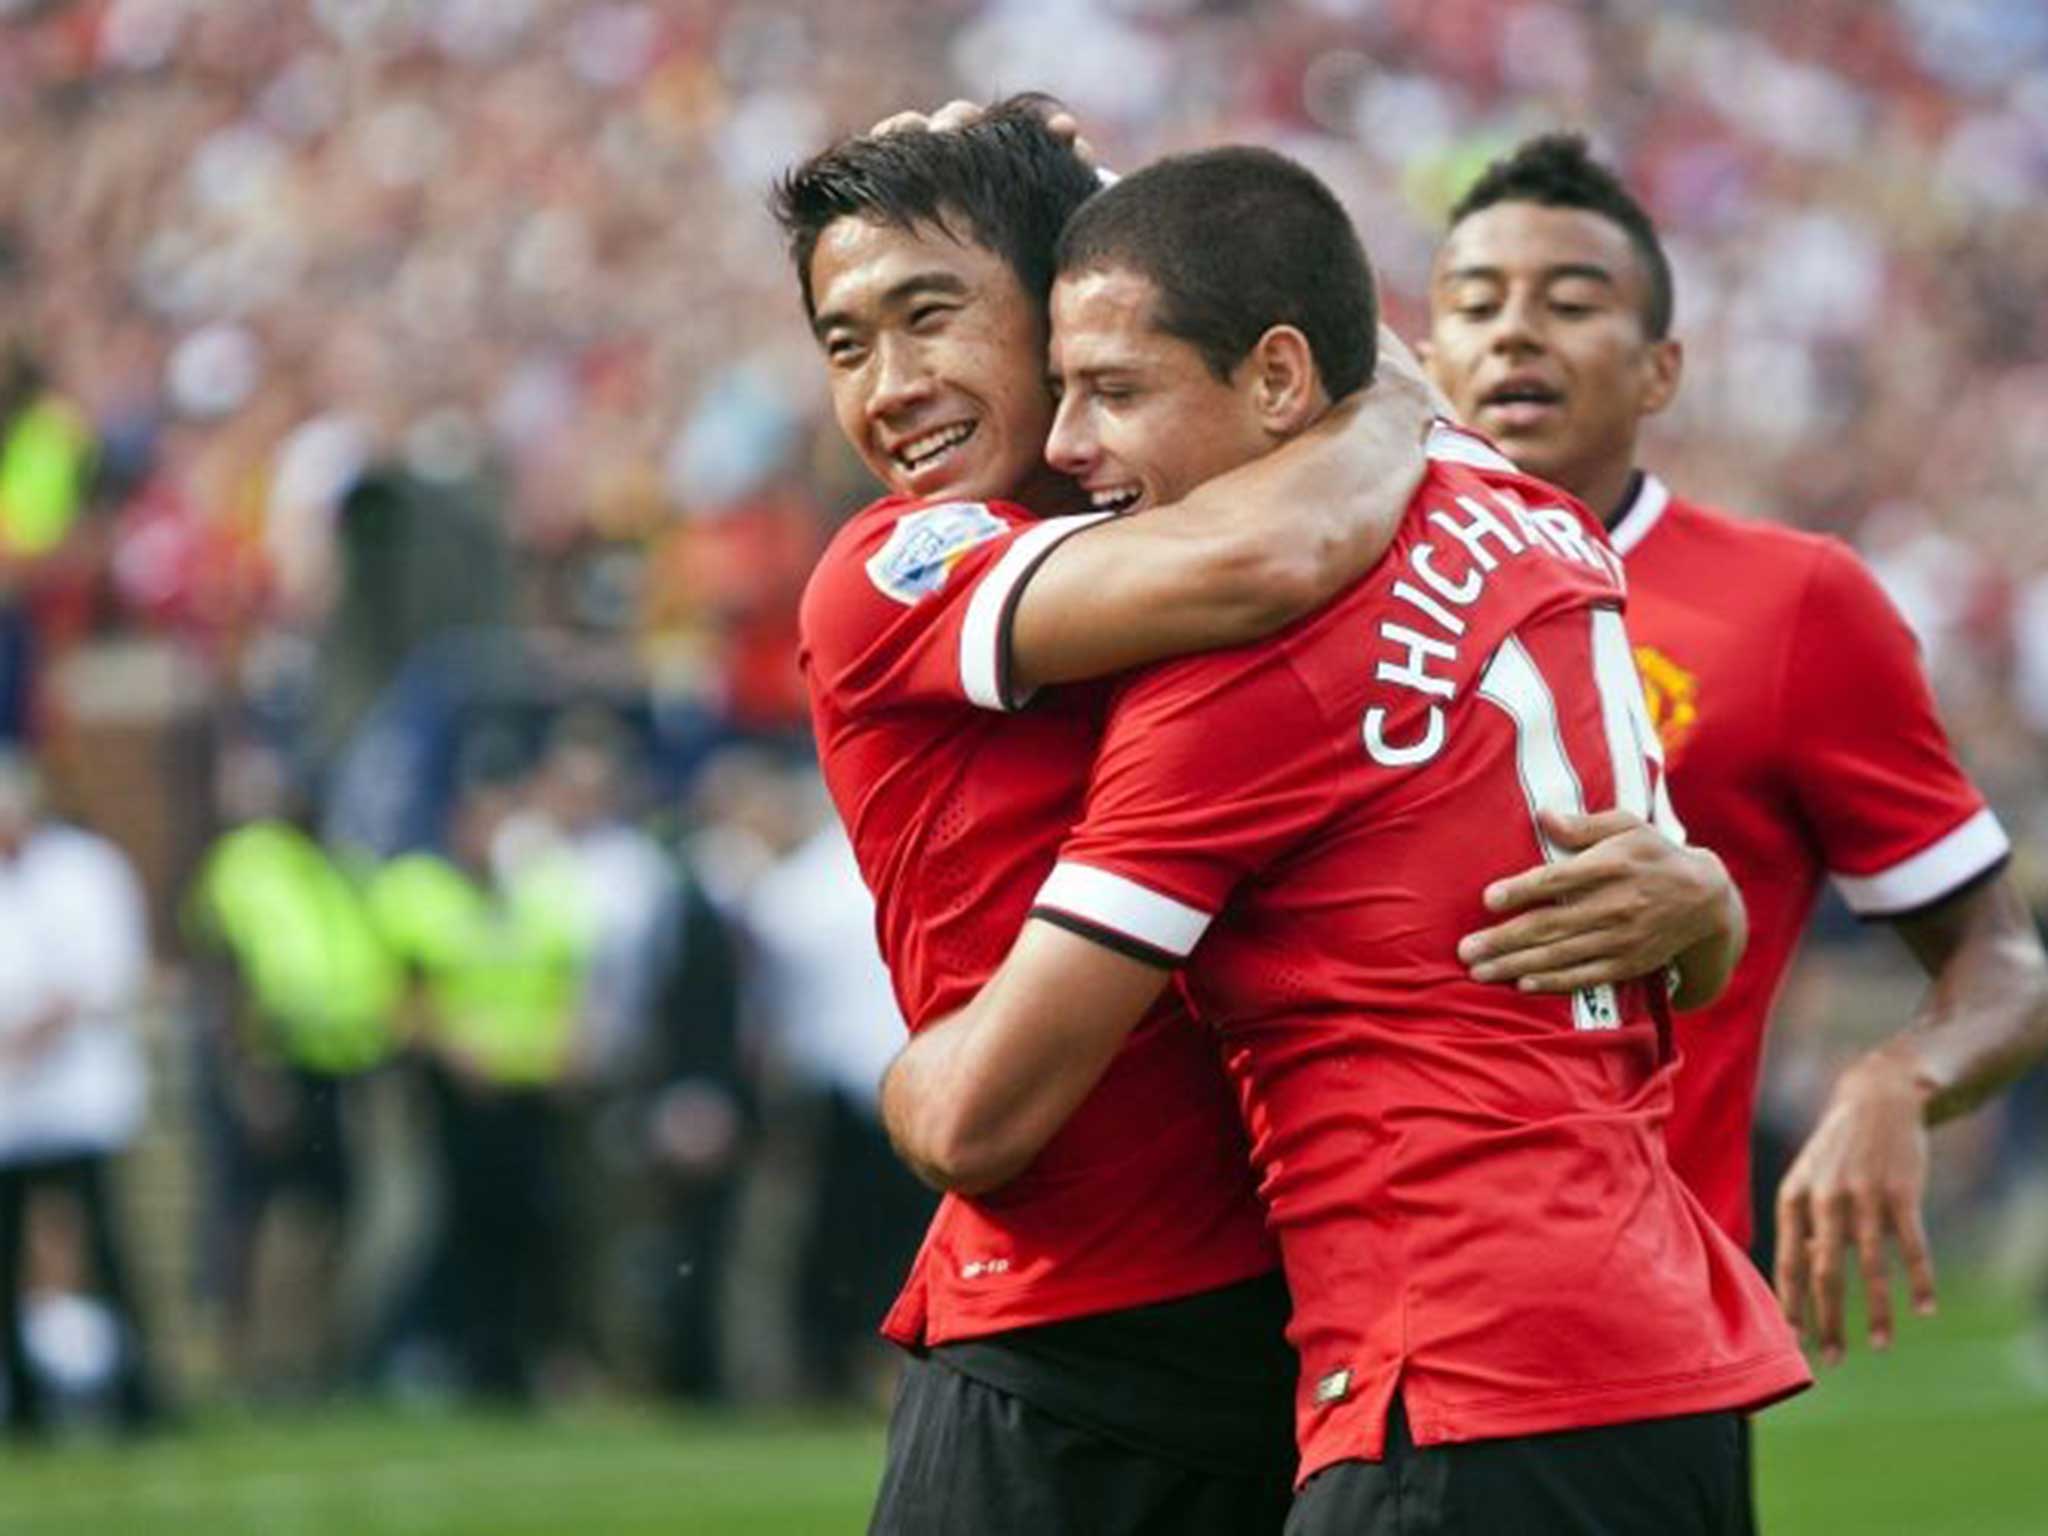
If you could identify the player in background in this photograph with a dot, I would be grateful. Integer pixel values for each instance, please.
(1100, 1346)
(1798, 725)
(1510, 1313)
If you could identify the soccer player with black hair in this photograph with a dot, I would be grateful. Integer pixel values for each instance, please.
(1799, 725)
(1510, 1314)
(1098, 1346)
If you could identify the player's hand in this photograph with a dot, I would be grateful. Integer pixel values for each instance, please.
(1857, 1185)
(1625, 903)
(959, 113)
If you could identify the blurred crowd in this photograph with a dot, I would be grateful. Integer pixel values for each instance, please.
(410, 448)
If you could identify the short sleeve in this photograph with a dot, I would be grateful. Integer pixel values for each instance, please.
(913, 603)
(1211, 769)
(1898, 822)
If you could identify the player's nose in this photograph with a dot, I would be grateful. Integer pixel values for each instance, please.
(1070, 446)
(1516, 326)
(900, 378)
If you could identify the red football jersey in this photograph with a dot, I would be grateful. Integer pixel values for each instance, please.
(1802, 739)
(1469, 1185)
(956, 814)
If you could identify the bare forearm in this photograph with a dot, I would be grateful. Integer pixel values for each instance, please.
(1984, 1021)
(975, 1097)
(1241, 556)
(912, 1088)
(1706, 965)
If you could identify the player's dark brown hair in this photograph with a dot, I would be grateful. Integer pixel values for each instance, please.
(1237, 241)
(1005, 181)
(1557, 170)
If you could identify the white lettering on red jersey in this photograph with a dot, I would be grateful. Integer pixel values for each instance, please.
(1468, 1183)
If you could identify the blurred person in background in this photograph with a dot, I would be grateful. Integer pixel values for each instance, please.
(298, 993)
(834, 1020)
(46, 469)
(496, 948)
(582, 796)
(694, 1109)
(74, 959)
(1797, 720)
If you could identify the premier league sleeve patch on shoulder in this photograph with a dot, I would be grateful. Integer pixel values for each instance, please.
(925, 546)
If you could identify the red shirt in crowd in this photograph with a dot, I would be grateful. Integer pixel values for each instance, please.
(957, 810)
(1802, 740)
(1469, 1185)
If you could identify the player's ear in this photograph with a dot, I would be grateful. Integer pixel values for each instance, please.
(1665, 362)
(1287, 391)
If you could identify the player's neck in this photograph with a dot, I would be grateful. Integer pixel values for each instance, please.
(1607, 490)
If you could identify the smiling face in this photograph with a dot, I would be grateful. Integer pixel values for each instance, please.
(1537, 335)
(936, 358)
(1142, 420)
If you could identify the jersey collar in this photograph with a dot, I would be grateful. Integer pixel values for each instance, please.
(1640, 513)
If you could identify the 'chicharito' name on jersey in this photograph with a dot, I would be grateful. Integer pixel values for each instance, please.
(1509, 530)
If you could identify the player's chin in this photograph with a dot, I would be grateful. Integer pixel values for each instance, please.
(977, 477)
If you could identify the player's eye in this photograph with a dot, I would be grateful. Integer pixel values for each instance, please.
(1477, 309)
(929, 317)
(844, 352)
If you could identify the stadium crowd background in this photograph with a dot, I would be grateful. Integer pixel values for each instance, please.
(333, 332)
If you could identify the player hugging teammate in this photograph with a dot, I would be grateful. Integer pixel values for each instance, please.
(1404, 678)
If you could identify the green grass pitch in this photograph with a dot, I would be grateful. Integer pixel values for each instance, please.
(1947, 1434)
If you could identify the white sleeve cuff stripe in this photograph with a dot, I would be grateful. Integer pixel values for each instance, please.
(1931, 873)
(1124, 906)
(984, 633)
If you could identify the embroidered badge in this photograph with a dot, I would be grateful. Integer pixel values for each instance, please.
(925, 546)
(1673, 695)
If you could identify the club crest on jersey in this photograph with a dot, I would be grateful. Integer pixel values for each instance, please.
(1672, 694)
(925, 546)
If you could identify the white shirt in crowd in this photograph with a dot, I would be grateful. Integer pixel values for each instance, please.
(73, 926)
(834, 1012)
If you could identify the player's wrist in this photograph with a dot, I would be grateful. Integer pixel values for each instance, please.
(1892, 1074)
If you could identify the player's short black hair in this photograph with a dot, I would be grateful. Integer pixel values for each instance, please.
(1557, 170)
(1237, 241)
(1005, 181)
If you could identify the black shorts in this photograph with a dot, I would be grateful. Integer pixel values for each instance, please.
(1656, 1477)
(969, 1459)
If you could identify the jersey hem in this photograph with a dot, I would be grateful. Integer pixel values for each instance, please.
(1033, 1305)
(1748, 1386)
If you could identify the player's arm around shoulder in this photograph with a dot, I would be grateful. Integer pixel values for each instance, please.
(1241, 556)
(970, 1101)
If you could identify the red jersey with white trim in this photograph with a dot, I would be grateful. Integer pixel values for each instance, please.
(1468, 1184)
(1802, 740)
(956, 814)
